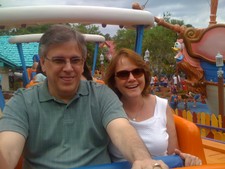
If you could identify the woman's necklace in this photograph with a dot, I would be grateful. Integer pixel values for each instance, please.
(137, 113)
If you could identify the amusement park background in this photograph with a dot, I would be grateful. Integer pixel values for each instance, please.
(158, 52)
(158, 41)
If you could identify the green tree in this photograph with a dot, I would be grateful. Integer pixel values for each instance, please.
(125, 38)
(107, 36)
(25, 30)
(158, 40)
(89, 29)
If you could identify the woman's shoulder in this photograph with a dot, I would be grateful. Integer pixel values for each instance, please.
(156, 100)
(160, 105)
(160, 99)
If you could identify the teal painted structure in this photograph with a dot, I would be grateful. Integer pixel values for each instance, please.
(9, 54)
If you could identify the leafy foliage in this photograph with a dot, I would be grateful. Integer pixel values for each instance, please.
(158, 40)
(89, 29)
(26, 30)
(125, 38)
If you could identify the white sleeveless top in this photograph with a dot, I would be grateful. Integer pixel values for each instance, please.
(153, 132)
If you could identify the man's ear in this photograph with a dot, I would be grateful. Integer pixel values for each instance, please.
(42, 62)
(83, 68)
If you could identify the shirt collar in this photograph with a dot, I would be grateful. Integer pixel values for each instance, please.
(44, 94)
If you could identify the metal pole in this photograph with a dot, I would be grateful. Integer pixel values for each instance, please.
(25, 77)
(2, 101)
(95, 58)
(102, 66)
(139, 38)
(220, 65)
(220, 91)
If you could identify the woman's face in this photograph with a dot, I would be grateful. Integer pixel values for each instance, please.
(129, 78)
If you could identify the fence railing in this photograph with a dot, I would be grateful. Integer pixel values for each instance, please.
(211, 126)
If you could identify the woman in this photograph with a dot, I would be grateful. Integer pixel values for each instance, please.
(38, 78)
(129, 77)
(173, 100)
(86, 75)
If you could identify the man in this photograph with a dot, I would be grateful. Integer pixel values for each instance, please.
(65, 122)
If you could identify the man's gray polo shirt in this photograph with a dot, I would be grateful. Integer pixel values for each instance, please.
(60, 135)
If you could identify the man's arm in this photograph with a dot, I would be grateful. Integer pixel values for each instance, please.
(11, 147)
(3, 163)
(126, 139)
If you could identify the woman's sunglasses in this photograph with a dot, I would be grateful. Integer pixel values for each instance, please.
(124, 74)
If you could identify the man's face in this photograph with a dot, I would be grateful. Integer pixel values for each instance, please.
(63, 66)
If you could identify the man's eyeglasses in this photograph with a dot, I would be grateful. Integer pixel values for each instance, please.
(61, 61)
(124, 74)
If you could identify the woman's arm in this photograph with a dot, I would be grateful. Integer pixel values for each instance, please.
(189, 160)
(171, 129)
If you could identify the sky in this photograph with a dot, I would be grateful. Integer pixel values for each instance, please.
(194, 12)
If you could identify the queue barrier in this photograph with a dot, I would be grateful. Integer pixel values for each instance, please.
(211, 125)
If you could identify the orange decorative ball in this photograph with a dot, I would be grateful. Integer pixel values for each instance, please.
(136, 5)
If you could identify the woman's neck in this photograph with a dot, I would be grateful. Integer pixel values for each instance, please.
(134, 105)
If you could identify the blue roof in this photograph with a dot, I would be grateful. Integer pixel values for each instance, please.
(9, 52)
